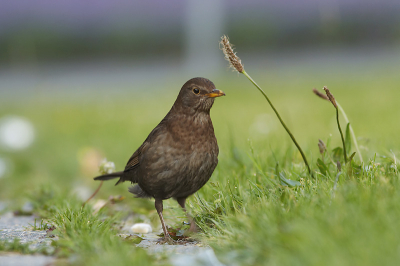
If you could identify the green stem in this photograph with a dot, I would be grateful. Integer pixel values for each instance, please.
(280, 119)
(353, 135)
(341, 135)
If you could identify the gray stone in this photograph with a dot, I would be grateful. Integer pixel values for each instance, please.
(9, 221)
(14, 259)
(201, 257)
(20, 227)
(182, 254)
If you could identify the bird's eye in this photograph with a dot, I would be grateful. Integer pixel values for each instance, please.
(196, 91)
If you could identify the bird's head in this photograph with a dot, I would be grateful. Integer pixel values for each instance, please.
(198, 94)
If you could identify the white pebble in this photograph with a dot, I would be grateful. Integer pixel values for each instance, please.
(141, 228)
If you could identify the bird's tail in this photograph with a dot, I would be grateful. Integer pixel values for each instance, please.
(109, 176)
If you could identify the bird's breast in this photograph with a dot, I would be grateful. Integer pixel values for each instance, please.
(181, 160)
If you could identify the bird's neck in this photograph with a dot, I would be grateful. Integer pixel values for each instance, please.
(182, 110)
(190, 119)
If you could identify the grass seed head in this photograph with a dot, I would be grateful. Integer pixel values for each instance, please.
(339, 166)
(320, 94)
(330, 96)
(234, 61)
(321, 146)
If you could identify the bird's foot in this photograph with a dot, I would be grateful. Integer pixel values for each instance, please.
(167, 240)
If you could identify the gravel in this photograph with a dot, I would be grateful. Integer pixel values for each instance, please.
(20, 227)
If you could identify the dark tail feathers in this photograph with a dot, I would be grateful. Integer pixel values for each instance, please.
(109, 176)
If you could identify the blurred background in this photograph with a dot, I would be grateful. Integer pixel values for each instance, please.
(101, 44)
(85, 80)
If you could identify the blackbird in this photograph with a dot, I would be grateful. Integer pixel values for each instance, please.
(180, 154)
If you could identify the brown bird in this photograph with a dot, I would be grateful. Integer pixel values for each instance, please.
(180, 154)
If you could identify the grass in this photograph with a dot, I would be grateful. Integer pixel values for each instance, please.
(249, 214)
(17, 246)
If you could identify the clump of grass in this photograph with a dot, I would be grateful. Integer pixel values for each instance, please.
(88, 236)
(43, 226)
(236, 64)
(93, 238)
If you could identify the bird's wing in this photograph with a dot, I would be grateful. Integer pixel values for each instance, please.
(133, 162)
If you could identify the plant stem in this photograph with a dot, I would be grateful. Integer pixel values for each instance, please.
(341, 135)
(94, 194)
(353, 135)
(280, 119)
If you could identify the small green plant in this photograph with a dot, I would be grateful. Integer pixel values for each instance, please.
(93, 237)
(333, 101)
(349, 127)
(41, 227)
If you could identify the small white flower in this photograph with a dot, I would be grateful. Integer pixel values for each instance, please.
(106, 167)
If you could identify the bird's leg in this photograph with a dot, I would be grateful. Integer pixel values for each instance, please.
(193, 226)
(159, 207)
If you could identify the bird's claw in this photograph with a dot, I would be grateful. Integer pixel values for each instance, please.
(167, 240)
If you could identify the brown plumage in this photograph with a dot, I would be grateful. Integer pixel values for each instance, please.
(180, 154)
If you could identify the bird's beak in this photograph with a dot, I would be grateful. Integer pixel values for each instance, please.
(215, 93)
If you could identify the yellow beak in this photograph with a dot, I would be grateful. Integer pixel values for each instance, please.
(215, 93)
